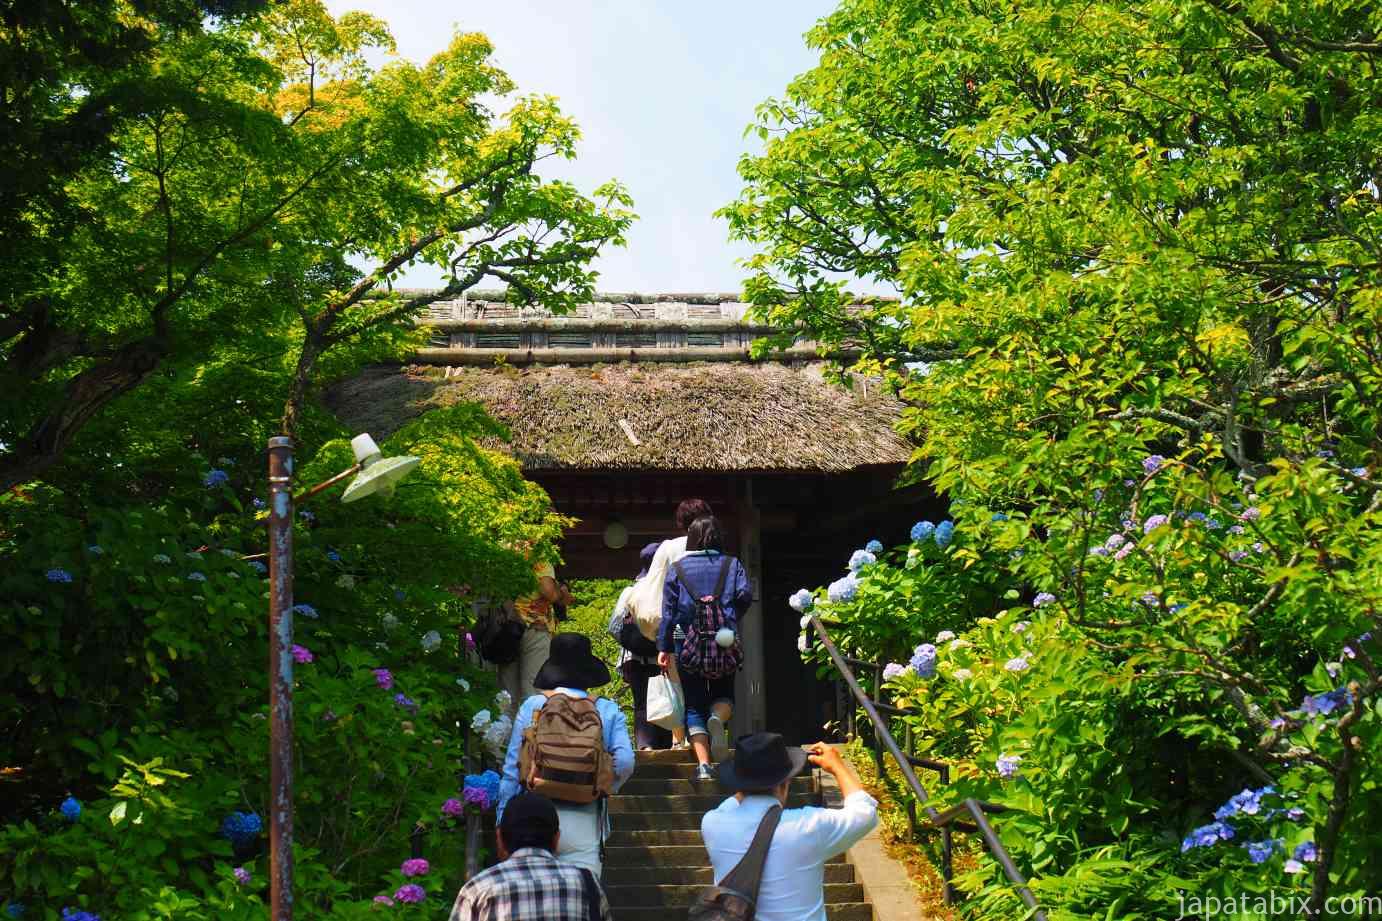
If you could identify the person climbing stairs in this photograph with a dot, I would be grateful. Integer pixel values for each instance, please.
(655, 862)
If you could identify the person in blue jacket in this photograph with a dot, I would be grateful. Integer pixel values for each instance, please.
(709, 701)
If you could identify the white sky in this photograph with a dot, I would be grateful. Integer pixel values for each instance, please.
(662, 91)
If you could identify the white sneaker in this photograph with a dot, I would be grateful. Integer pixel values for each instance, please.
(719, 746)
(681, 746)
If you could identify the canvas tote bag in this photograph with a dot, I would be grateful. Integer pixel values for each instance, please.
(645, 601)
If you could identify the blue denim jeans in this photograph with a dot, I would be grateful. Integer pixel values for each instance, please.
(701, 696)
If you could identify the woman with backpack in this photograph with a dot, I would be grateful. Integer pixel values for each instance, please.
(638, 661)
(706, 593)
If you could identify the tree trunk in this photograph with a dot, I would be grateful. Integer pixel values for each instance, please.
(312, 349)
(85, 395)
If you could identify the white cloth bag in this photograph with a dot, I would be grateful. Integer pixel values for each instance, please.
(645, 599)
(666, 708)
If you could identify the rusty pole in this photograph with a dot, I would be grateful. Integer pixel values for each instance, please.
(281, 678)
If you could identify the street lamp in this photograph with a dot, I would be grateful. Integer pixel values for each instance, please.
(375, 474)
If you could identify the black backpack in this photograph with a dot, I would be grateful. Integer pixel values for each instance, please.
(498, 634)
(632, 638)
(735, 897)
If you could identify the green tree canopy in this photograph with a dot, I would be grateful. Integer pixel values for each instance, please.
(262, 160)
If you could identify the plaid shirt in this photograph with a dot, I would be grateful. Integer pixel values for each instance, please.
(531, 885)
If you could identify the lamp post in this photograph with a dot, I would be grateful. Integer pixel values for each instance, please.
(375, 474)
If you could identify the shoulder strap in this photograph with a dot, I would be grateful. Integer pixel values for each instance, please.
(681, 574)
(724, 575)
(747, 874)
(592, 895)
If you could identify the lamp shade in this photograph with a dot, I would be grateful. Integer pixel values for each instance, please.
(378, 474)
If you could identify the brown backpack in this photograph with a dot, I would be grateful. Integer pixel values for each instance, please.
(563, 755)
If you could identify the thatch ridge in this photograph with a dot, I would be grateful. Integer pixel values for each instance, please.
(710, 417)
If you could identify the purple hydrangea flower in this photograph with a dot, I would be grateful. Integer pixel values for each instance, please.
(1295, 813)
(410, 892)
(417, 866)
(243, 876)
(384, 678)
(76, 914)
(404, 701)
(1018, 664)
(1152, 463)
(383, 900)
(1238, 556)
(924, 660)
(301, 654)
(453, 807)
(892, 670)
(1098, 551)
(1008, 766)
(1115, 541)
(1306, 852)
(1043, 599)
(1021, 626)
(1251, 513)
(1326, 703)
(1154, 522)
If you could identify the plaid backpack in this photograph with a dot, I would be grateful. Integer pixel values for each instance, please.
(700, 654)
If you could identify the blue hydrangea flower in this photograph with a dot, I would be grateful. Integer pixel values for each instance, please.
(333, 556)
(1360, 472)
(305, 610)
(241, 827)
(802, 601)
(1043, 599)
(861, 558)
(1261, 851)
(95, 550)
(215, 478)
(1326, 703)
(945, 532)
(1152, 463)
(59, 575)
(998, 516)
(843, 589)
(922, 530)
(874, 546)
(76, 914)
(1207, 835)
(1197, 516)
(71, 809)
(1305, 852)
(196, 577)
(14, 909)
(259, 503)
(258, 567)
(924, 660)
(1008, 766)
(307, 516)
(1098, 551)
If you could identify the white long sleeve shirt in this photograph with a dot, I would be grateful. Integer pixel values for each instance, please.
(794, 875)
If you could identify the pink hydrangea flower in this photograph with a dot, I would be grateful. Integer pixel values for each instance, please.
(410, 892)
(383, 900)
(453, 807)
(418, 866)
(301, 654)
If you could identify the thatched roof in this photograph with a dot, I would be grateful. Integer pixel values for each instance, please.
(706, 416)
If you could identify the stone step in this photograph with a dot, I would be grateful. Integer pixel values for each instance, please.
(629, 821)
(684, 769)
(649, 856)
(681, 895)
(847, 911)
(666, 756)
(700, 802)
(654, 837)
(679, 786)
(701, 876)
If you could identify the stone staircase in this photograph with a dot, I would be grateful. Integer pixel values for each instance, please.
(655, 862)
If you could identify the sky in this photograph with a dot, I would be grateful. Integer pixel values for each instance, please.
(662, 91)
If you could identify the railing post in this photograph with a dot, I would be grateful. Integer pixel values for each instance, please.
(947, 849)
(280, 528)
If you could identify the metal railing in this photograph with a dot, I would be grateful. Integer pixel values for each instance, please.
(906, 762)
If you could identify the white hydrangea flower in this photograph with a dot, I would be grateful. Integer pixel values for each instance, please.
(801, 643)
(805, 621)
(503, 700)
(963, 674)
(496, 737)
(961, 643)
(346, 581)
(389, 622)
(945, 636)
(463, 684)
(480, 721)
(430, 641)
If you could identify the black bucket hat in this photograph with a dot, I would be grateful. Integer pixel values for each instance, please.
(761, 761)
(571, 664)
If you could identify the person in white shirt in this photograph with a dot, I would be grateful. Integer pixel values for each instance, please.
(793, 886)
